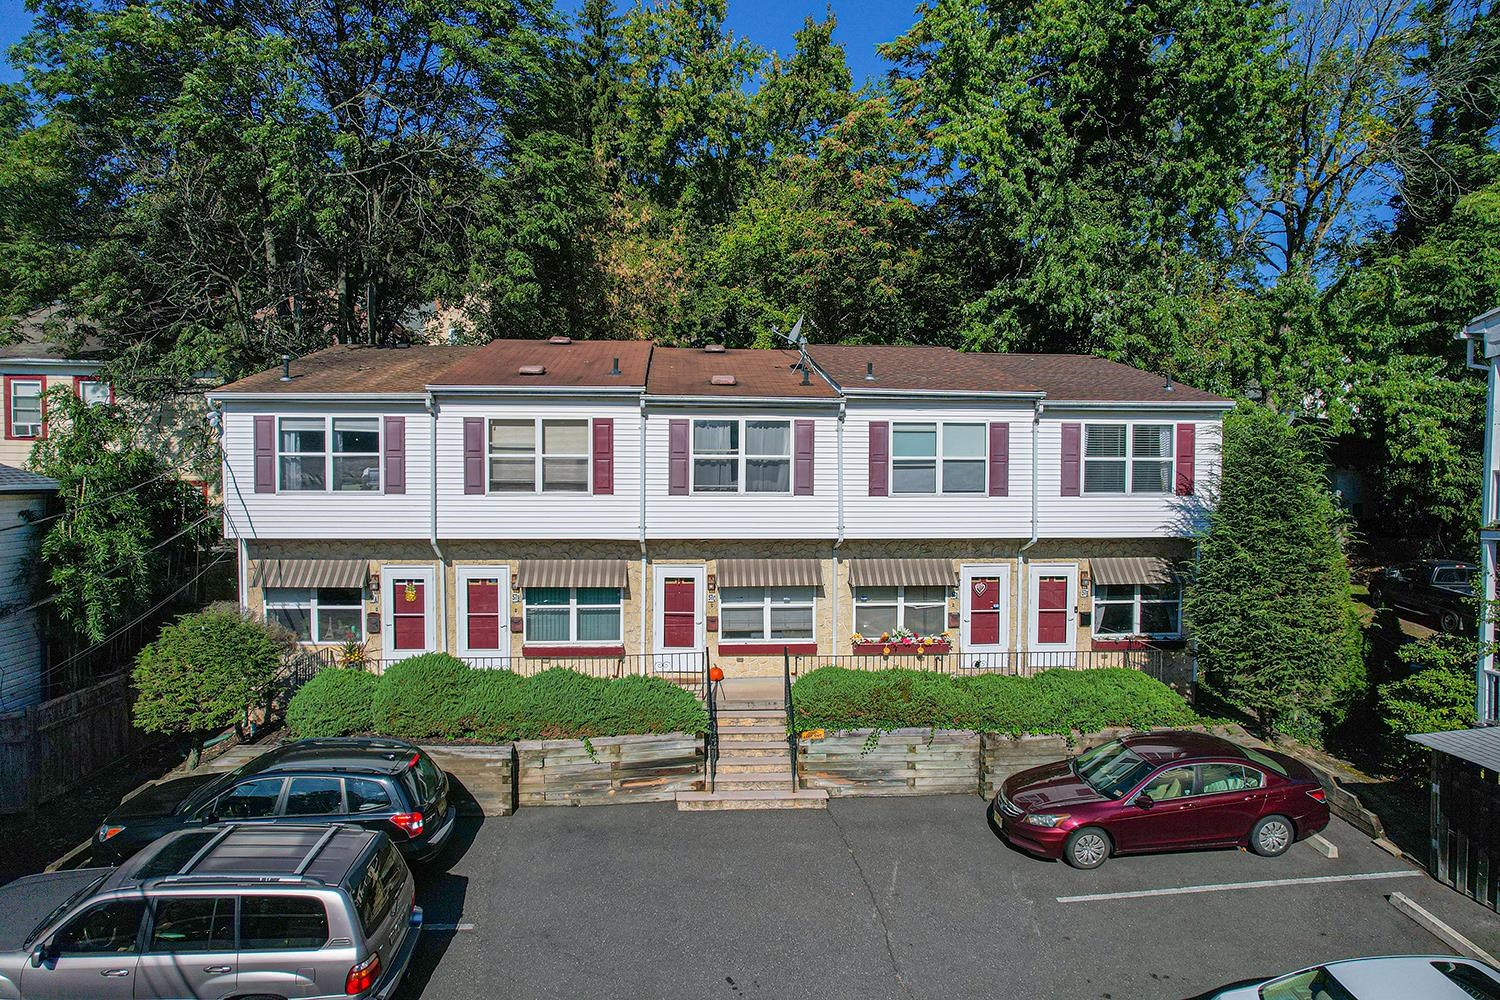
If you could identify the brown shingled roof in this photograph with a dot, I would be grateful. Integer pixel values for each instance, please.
(691, 371)
(911, 369)
(1084, 378)
(577, 364)
(345, 368)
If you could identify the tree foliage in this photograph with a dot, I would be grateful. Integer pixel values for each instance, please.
(204, 671)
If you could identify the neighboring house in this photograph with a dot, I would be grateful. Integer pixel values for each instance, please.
(611, 498)
(23, 497)
(1483, 343)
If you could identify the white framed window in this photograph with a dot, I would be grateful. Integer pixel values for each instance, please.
(526, 453)
(766, 614)
(742, 456)
(93, 392)
(1127, 458)
(938, 458)
(573, 615)
(25, 407)
(316, 454)
(1124, 610)
(882, 610)
(318, 614)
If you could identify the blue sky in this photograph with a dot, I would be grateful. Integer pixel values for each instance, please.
(863, 24)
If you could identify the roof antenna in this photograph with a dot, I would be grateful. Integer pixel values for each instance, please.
(615, 368)
(286, 368)
(869, 371)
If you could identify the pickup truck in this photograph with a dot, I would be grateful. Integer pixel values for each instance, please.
(1441, 590)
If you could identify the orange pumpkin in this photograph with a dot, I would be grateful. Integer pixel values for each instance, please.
(715, 674)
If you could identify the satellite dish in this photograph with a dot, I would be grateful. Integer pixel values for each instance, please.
(796, 338)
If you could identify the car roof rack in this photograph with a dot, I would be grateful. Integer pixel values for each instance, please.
(219, 878)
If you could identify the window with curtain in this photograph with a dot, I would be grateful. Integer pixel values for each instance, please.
(1123, 610)
(584, 615)
(766, 614)
(356, 454)
(716, 456)
(768, 456)
(323, 614)
(914, 458)
(1127, 458)
(302, 453)
(879, 610)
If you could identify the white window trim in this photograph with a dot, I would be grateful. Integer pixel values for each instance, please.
(41, 384)
(766, 605)
(1129, 458)
(900, 604)
(1135, 603)
(328, 453)
(741, 456)
(462, 576)
(940, 459)
(537, 457)
(313, 606)
(572, 607)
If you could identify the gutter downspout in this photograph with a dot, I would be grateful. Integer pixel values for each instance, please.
(645, 585)
(839, 540)
(1036, 423)
(432, 535)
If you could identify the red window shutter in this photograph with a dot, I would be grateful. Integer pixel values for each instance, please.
(604, 456)
(1187, 436)
(802, 462)
(473, 455)
(1072, 465)
(1000, 459)
(395, 454)
(880, 458)
(677, 457)
(265, 454)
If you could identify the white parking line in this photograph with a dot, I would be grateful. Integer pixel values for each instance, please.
(1227, 886)
(447, 927)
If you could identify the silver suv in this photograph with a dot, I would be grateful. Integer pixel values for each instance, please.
(217, 912)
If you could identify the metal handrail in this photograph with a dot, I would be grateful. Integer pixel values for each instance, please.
(791, 711)
(710, 700)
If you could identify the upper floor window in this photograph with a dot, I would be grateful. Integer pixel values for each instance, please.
(1127, 458)
(554, 453)
(722, 465)
(919, 465)
(1137, 609)
(25, 407)
(751, 614)
(307, 463)
(573, 615)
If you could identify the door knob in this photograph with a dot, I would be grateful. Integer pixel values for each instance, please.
(218, 970)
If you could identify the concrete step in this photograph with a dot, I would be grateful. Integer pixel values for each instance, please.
(812, 798)
(751, 716)
(781, 778)
(745, 764)
(778, 706)
(737, 743)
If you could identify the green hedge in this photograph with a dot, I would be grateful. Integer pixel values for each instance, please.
(437, 697)
(1053, 702)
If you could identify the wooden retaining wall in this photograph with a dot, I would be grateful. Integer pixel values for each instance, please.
(620, 769)
(902, 762)
(482, 779)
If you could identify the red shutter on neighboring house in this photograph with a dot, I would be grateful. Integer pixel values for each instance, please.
(880, 458)
(265, 454)
(395, 454)
(473, 455)
(603, 452)
(1187, 435)
(802, 462)
(1000, 460)
(677, 458)
(1072, 466)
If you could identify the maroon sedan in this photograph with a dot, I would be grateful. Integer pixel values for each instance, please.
(1160, 792)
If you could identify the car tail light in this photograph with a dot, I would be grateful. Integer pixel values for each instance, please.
(1318, 794)
(361, 978)
(410, 823)
(106, 832)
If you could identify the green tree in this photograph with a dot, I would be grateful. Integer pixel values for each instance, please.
(1437, 695)
(129, 531)
(1269, 602)
(203, 672)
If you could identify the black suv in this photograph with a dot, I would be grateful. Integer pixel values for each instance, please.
(1441, 589)
(381, 784)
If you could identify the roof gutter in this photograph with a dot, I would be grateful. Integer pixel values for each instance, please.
(1138, 404)
(855, 391)
(741, 400)
(539, 390)
(258, 397)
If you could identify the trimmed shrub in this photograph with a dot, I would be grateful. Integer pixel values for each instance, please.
(489, 710)
(422, 698)
(336, 702)
(650, 705)
(1053, 702)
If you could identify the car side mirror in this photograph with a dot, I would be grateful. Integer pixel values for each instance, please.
(40, 953)
(1144, 800)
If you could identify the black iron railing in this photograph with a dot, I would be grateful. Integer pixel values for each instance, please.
(791, 711)
(711, 738)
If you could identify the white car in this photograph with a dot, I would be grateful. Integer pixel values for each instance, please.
(1395, 977)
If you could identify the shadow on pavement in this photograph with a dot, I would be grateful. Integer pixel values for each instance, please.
(442, 896)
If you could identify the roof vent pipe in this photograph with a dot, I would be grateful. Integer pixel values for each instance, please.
(559, 340)
(532, 370)
(614, 369)
(805, 379)
(1169, 383)
(869, 371)
(286, 368)
(713, 349)
(722, 380)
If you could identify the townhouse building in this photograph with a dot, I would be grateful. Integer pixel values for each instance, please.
(612, 499)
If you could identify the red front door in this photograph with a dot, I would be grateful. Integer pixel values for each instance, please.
(484, 614)
(679, 613)
(409, 614)
(984, 611)
(1052, 610)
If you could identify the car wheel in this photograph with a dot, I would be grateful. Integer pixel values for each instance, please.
(1451, 622)
(1272, 836)
(1087, 847)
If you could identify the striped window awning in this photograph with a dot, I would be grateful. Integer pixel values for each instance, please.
(571, 573)
(309, 572)
(1133, 569)
(901, 572)
(769, 573)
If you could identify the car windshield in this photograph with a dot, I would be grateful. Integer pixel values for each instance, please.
(62, 907)
(1112, 769)
(1314, 984)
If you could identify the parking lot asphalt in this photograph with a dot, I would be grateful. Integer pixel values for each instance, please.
(882, 898)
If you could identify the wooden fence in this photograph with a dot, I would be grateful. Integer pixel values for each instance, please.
(51, 748)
